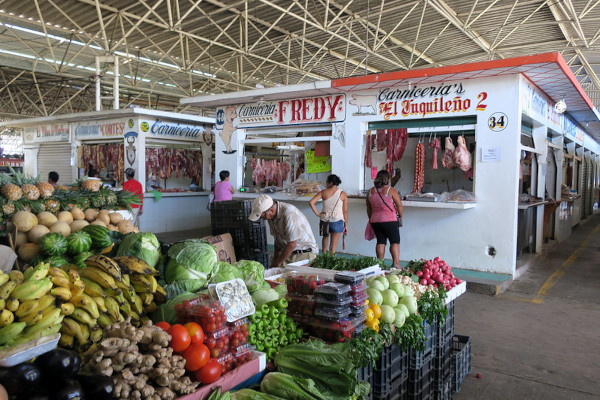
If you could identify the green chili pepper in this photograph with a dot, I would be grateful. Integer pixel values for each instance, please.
(252, 330)
(290, 325)
(275, 323)
(292, 337)
(256, 316)
(282, 318)
(260, 325)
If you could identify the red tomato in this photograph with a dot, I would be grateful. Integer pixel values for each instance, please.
(196, 332)
(180, 338)
(210, 372)
(163, 325)
(196, 356)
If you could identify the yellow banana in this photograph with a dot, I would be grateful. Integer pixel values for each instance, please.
(112, 307)
(39, 272)
(66, 340)
(33, 318)
(100, 303)
(4, 278)
(6, 318)
(12, 304)
(26, 308)
(62, 293)
(96, 335)
(50, 316)
(126, 281)
(7, 289)
(79, 314)
(88, 304)
(99, 276)
(137, 304)
(73, 276)
(2, 304)
(61, 281)
(32, 289)
(105, 264)
(104, 320)
(136, 265)
(92, 288)
(77, 288)
(147, 298)
(116, 294)
(161, 295)
(150, 308)
(67, 308)
(80, 331)
(128, 290)
(16, 275)
(85, 332)
(27, 273)
(140, 288)
(45, 302)
(55, 271)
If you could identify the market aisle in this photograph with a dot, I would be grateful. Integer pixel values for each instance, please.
(539, 339)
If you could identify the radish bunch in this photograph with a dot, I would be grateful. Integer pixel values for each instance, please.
(437, 273)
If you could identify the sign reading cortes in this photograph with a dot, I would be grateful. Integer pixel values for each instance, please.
(87, 130)
(310, 110)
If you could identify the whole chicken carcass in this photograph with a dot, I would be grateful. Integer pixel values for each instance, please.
(461, 156)
(448, 153)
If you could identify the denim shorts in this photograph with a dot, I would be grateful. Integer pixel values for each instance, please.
(336, 226)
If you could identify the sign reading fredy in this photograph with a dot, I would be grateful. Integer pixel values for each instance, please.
(309, 110)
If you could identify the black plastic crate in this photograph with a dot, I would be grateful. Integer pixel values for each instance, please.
(417, 358)
(247, 242)
(442, 387)
(442, 365)
(461, 359)
(445, 330)
(366, 374)
(231, 214)
(420, 378)
(392, 366)
(425, 393)
(391, 393)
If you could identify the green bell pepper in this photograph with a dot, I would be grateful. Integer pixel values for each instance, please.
(283, 341)
(273, 312)
(264, 309)
(279, 303)
(271, 353)
(260, 347)
(268, 343)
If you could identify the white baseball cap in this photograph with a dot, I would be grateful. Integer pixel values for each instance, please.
(260, 204)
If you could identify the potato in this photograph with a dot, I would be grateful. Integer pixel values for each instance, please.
(46, 218)
(125, 226)
(77, 213)
(78, 225)
(24, 220)
(90, 214)
(21, 239)
(98, 222)
(65, 216)
(35, 234)
(61, 227)
(103, 216)
(115, 218)
(28, 251)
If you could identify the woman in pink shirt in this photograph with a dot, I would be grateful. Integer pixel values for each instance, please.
(223, 189)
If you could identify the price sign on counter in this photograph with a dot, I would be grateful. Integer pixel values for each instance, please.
(316, 164)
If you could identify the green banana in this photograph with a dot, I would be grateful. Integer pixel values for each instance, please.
(39, 272)
(32, 289)
(112, 307)
(7, 289)
(128, 291)
(137, 304)
(104, 320)
(9, 332)
(74, 328)
(4, 278)
(100, 304)
(92, 288)
(83, 316)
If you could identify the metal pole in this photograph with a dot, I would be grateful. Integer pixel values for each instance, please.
(98, 101)
(116, 84)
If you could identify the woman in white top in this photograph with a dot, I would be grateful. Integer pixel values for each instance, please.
(334, 215)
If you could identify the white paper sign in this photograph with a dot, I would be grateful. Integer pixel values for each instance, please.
(491, 154)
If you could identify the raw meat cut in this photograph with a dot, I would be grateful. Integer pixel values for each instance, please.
(436, 145)
(402, 138)
(370, 141)
(447, 161)
(461, 156)
(381, 139)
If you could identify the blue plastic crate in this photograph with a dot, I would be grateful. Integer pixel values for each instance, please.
(461, 359)
(417, 358)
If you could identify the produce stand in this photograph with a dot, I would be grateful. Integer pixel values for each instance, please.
(173, 146)
(401, 122)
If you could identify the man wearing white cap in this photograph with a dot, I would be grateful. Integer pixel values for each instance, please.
(294, 240)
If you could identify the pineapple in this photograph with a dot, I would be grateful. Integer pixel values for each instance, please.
(111, 199)
(46, 189)
(51, 205)
(8, 208)
(30, 191)
(91, 185)
(84, 203)
(9, 190)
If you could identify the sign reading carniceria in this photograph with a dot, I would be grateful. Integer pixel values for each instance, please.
(176, 131)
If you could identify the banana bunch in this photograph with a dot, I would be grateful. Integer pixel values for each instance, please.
(80, 310)
(28, 309)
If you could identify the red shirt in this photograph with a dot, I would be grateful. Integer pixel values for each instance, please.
(135, 187)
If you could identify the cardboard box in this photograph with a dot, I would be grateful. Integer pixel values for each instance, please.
(224, 245)
(232, 378)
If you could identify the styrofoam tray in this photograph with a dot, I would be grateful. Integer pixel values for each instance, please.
(26, 351)
(456, 291)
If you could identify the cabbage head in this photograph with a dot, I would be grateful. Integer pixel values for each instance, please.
(253, 274)
(191, 264)
(143, 245)
(225, 272)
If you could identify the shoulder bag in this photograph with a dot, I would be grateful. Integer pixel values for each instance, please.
(390, 208)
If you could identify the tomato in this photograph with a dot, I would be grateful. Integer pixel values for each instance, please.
(180, 338)
(196, 356)
(210, 372)
(163, 325)
(196, 332)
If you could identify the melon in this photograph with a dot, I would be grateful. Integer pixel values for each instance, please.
(91, 214)
(28, 251)
(65, 216)
(24, 220)
(61, 227)
(53, 244)
(35, 234)
(78, 225)
(46, 218)
(77, 213)
(115, 218)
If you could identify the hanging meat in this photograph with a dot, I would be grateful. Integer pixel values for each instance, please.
(419, 168)
(392, 138)
(447, 161)
(369, 142)
(461, 156)
(402, 138)
(436, 145)
(381, 139)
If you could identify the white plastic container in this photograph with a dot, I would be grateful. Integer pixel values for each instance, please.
(26, 351)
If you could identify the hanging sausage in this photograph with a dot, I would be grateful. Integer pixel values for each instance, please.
(419, 168)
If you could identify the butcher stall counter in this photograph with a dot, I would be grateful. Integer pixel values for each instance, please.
(178, 211)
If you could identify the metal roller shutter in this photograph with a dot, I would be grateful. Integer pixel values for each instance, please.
(55, 157)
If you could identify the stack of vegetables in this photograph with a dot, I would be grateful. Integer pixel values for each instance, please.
(271, 329)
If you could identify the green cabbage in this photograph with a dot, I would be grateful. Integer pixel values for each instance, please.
(143, 245)
(253, 274)
(191, 264)
(225, 272)
(264, 296)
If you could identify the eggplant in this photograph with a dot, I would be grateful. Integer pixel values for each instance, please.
(70, 390)
(59, 364)
(97, 387)
(21, 380)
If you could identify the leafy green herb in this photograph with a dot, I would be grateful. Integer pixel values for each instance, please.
(412, 333)
(332, 261)
(366, 347)
(431, 305)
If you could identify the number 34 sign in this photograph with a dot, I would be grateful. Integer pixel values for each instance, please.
(497, 121)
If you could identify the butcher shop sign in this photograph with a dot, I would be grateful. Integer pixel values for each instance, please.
(86, 130)
(176, 131)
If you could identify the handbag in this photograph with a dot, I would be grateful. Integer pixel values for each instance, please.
(369, 232)
(390, 208)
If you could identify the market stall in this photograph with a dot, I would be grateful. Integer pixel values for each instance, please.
(174, 150)
(459, 153)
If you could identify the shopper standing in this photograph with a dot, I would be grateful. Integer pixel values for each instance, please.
(384, 209)
(53, 178)
(294, 240)
(223, 190)
(135, 187)
(334, 214)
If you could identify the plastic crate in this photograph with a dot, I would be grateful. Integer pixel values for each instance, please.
(366, 374)
(445, 331)
(231, 214)
(246, 241)
(461, 359)
(392, 393)
(442, 387)
(426, 393)
(390, 369)
(417, 358)
(420, 379)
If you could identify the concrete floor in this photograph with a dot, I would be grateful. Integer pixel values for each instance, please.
(540, 338)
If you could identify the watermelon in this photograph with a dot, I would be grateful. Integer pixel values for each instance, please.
(57, 261)
(100, 236)
(81, 257)
(53, 244)
(78, 242)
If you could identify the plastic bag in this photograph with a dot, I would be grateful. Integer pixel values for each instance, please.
(369, 233)
(459, 195)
